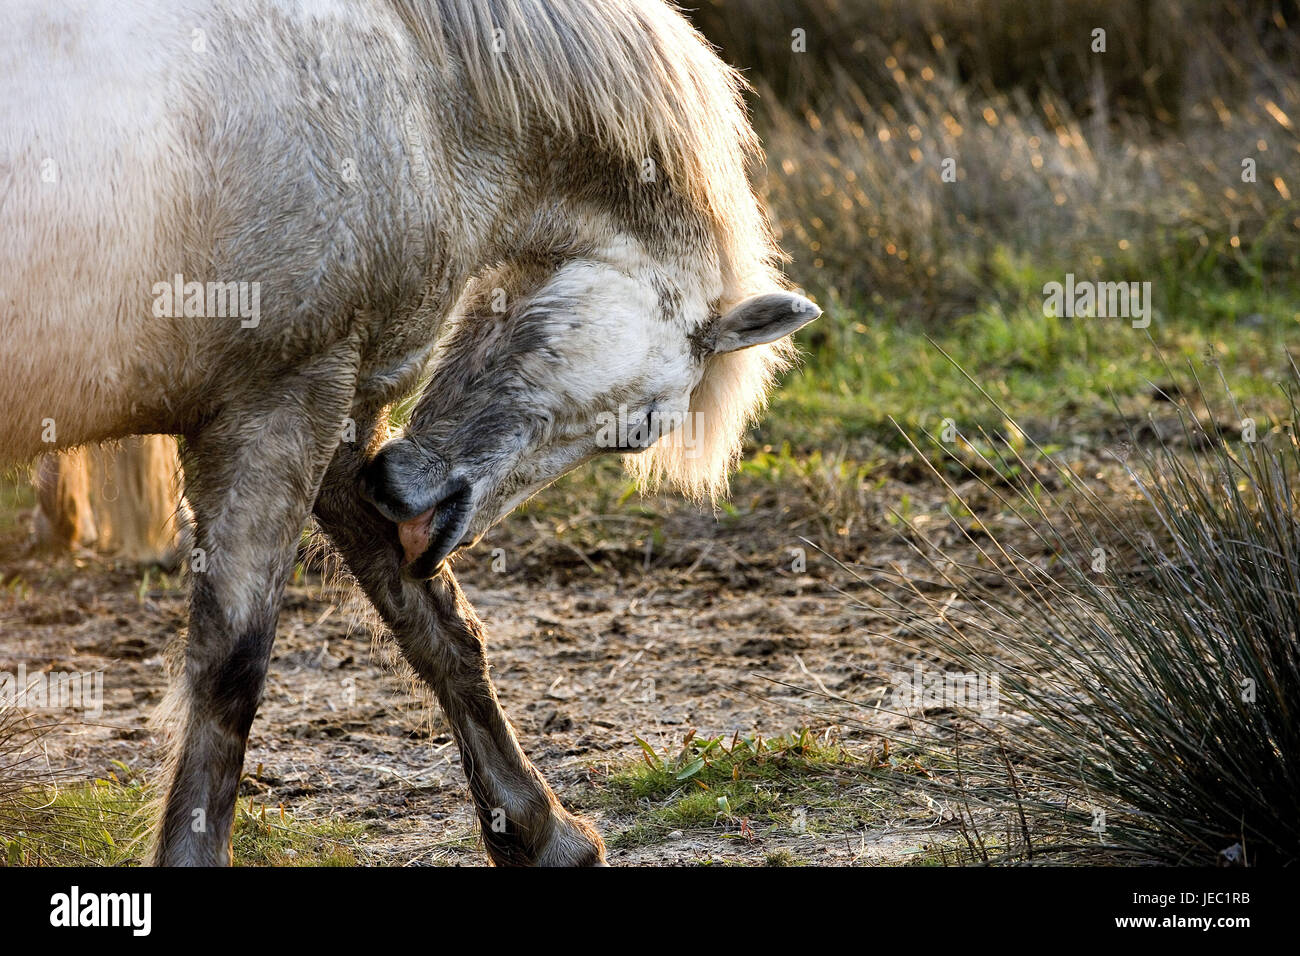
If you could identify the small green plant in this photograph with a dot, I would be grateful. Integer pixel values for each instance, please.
(709, 762)
(781, 858)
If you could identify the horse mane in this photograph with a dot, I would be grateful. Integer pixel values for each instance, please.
(634, 77)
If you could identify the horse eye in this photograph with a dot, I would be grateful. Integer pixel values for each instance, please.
(638, 435)
(638, 438)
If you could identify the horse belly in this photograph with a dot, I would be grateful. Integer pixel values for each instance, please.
(83, 164)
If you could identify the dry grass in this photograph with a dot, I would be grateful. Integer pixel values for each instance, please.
(1127, 162)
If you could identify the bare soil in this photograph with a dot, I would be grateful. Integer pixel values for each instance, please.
(595, 636)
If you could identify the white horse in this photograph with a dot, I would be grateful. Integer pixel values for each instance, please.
(244, 223)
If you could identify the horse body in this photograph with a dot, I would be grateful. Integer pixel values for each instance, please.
(246, 223)
(212, 164)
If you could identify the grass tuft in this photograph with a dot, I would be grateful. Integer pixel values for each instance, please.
(1148, 653)
(749, 787)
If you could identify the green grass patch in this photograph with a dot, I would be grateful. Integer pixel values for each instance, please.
(105, 823)
(798, 783)
(99, 823)
(861, 369)
(268, 836)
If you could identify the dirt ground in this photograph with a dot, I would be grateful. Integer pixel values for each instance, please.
(595, 637)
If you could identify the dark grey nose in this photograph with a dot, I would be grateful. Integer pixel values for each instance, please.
(403, 480)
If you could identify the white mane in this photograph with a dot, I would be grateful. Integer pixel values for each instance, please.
(636, 77)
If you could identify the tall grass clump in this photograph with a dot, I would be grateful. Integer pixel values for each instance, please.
(1147, 646)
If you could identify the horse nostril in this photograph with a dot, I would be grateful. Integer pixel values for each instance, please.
(385, 482)
(373, 481)
(455, 498)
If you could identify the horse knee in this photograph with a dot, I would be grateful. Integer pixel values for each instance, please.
(227, 669)
(234, 689)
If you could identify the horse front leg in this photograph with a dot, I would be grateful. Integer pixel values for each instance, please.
(252, 475)
(522, 821)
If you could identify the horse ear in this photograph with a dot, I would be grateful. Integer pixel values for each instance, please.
(763, 318)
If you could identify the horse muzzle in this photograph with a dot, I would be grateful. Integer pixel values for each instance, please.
(429, 537)
(414, 489)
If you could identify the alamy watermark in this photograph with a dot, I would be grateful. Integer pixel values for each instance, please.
(1083, 298)
(73, 909)
(56, 690)
(927, 689)
(621, 431)
(208, 300)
